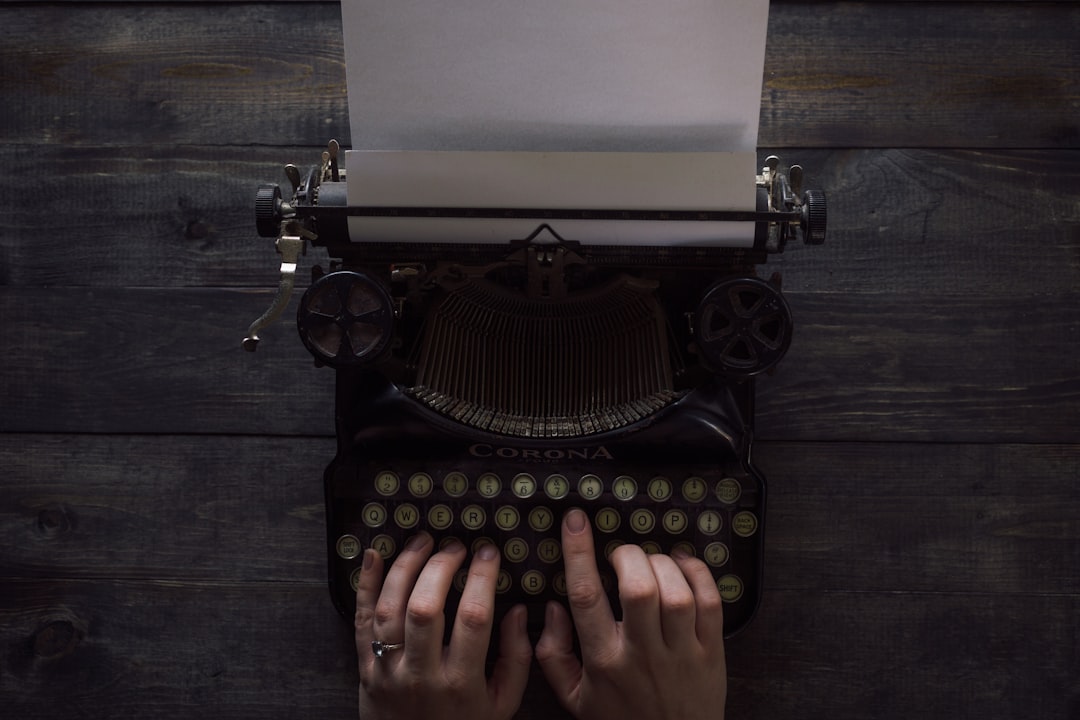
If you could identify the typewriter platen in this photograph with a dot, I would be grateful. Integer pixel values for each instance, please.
(484, 389)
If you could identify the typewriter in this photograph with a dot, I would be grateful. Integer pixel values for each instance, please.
(483, 389)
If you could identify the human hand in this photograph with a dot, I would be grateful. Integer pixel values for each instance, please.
(424, 679)
(663, 661)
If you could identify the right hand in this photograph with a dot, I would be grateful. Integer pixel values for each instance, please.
(663, 661)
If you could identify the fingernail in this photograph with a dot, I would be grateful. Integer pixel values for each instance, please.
(454, 546)
(487, 551)
(369, 559)
(680, 554)
(575, 520)
(417, 541)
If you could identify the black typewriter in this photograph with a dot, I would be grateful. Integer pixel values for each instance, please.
(484, 389)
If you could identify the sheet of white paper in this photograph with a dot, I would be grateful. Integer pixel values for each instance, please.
(576, 76)
(536, 180)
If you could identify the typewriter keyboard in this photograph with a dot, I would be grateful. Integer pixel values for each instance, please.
(715, 515)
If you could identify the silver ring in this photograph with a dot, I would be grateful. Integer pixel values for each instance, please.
(380, 648)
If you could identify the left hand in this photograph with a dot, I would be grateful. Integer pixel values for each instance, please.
(424, 680)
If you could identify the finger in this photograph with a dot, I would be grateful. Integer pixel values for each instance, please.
(476, 611)
(367, 594)
(425, 617)
(389, 624)
(639, 597)
(588, 603)
(677, 610)
(555, 653)
(511, 673)
(708, 607)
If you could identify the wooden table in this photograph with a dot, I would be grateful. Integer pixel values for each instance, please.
(161, 516)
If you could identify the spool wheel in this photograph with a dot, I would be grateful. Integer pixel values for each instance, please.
(346, 319)
(743, 326)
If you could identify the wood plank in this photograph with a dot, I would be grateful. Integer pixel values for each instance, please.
(879, 74)
(913, 367)
(98, 649)
(990, 222)
(841, 517)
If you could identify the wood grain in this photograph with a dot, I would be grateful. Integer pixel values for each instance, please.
(836, 75)
(989, 222)
(926, 367)
(271, 650)
(220, 509)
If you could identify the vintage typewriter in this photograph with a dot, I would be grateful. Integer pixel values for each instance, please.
(485, 388)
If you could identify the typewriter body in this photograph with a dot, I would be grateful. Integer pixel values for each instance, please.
(483, 389)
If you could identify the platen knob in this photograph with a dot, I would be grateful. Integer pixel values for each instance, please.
(813, 217)
(268, 211)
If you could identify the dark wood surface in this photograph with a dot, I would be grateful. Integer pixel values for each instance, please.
(161, 517)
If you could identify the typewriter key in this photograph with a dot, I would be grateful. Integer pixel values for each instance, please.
(709, 522)
(590, 487)
(348, 547)
(728, 490)
(607, 520)
(624, 487)
(716, 554)
(556, 487)
(516, 550)
(541, 519)
(488, 485)
(503, 583)
(473, 517)
(660, 489)
(675, 521)
(523, 485)
(374, 515)
(507, 517)
(385, 545)
(549, 550)
(420, 485)
(744, 524)
(387, 483)
(455, 484)
(730, 587)
(694, 489)
(642, 520)
(406, 516)
(440, 516)
(533, 582)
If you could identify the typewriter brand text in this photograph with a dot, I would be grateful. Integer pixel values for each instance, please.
(483, 450)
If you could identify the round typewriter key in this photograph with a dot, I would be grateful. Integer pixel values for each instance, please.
(447, 542)
(406, 516)
(590, 487)
(694, 489)
(559, 583)
(730, 587)
(607, 519)
(675, 521)
(549, 550)
(473, 517)
(455, 484)
(710, 522)
(660, 489)
(374, 515)
(533, 582)
(556, 487)
(716, 554)
(642, 520)
(420, 485)
(744, 524)
(354, 579)
(651, 548)
(503, 582)
(459, 579)
(385, 545)
(507, 518)
(624, 487)
(523, 485)
(479, 543)
(610, 547)
(387, 483)
(488, 485)
(440, 516)
(541, 519)
(348, 547)
(516, 550)
(728, 490)
(685, 548)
